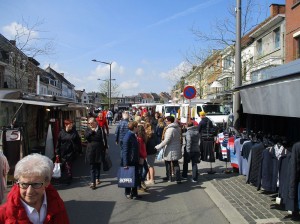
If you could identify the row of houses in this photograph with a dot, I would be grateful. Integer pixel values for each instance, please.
(274, 42)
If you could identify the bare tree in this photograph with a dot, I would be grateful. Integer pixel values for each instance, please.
(25, 46)
(104, 88)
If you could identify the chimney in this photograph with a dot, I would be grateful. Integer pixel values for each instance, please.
(276, 9)
(13, 42)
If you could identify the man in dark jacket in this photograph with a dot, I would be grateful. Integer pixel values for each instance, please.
(204, 122)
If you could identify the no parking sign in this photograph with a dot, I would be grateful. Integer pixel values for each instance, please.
(189, 92)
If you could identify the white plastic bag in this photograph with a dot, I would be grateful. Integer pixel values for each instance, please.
(56, 170)
(160, 155)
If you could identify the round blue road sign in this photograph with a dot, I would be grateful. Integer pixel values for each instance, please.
(189, 92)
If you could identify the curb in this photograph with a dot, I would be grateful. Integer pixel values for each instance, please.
(231, 214)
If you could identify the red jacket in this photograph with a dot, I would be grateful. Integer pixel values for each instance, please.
(103, 123)
(142, 148)
(13, 211)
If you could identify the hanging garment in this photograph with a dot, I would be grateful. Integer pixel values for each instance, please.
(284, 175)
(49, 148)
(237, 151)
(255, 164)
(207, 151)
(268, 174)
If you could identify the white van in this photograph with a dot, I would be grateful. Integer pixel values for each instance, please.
(168, 109)
(214, 111)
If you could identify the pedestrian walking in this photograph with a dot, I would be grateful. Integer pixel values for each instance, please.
(102, 122)
(130, 157)
(109, 117)
(95, 150)
(192, 139)
(68, 145)
(172, 148)
(122, 128)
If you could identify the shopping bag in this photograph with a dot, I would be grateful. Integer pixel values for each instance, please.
(127, 177)
(160, 155)
(56, 170)
(107, 164)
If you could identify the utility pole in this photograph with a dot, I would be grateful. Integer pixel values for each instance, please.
(238, 83)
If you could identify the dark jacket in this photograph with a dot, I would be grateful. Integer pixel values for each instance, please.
(97, 145)
(13, 210)
(151, 143)
(294, 171)
(130, 150)
(121, 130)
(268, 174)
(68, 144)
(203, 124)
(192, 139)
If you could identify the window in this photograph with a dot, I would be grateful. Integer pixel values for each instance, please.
(227, 62)
(259, 47)
(244, 70)
(297, 47)
(277, 38)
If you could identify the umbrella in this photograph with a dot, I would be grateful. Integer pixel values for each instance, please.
(216, 84)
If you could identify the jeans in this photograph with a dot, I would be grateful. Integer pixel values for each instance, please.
(95, 172)
(195, 160)
(143, 171)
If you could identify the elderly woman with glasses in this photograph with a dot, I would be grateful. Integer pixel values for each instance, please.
(95, 150)
(33, 199)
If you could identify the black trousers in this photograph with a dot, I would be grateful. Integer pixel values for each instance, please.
(173, 165)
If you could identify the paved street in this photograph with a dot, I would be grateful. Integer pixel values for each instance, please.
(216, 198)
(164, 203)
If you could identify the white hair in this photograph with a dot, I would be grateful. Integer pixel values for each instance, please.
(34, 165)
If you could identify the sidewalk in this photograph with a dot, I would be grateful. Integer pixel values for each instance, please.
(241, 202)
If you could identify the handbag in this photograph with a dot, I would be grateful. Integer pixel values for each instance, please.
(57, 169)
(107, 164)
(127, 177)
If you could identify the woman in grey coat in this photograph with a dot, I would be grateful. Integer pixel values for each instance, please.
(193, 149)
(172, 148)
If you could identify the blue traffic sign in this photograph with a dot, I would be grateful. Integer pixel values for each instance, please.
(189, 92)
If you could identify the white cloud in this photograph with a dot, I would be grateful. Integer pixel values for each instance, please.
(175, 74)
(131, 84)
(139, 72)
(11, 30)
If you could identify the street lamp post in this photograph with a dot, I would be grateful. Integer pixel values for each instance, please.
(109, 92)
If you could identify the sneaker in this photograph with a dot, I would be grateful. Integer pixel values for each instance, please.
(149, 182)
(128, 196)
(194, 181)
(136, 197)
(184, 177)
(166, 179)
(93, 186)
(142, 190)
(178, 182)
(98, 181)
(143, 185)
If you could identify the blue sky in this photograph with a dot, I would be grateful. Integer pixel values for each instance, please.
(146, 41)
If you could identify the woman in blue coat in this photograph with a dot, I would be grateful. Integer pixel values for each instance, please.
(130, 157)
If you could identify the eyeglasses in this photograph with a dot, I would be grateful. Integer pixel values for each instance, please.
(33, 185)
